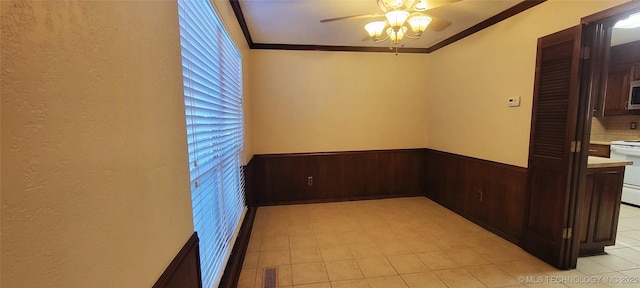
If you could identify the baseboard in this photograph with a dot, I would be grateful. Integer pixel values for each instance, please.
(483, 224)
(234, 265)
(316, 201)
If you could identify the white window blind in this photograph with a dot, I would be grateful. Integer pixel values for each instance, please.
(212, 72)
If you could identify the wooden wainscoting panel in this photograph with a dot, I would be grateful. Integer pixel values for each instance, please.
(249, 198)
(505, 186)
(490, 194)
(359, 169)
(184, 269)
(337, 176)
(401, 172)
(446, 180)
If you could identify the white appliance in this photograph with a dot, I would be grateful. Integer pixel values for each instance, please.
(634, 95)
(629, 151)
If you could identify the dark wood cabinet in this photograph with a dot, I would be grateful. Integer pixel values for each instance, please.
(624, 67)
(617, 94)
(635, 71)
(599, 209)
(599, 150)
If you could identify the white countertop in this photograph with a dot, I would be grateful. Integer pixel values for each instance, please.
(600, 142)
(601, 162)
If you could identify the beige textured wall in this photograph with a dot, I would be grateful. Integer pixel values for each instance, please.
(309, 101)
(471, 80)
(95, 189)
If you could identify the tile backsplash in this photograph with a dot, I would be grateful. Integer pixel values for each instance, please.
(615, 128)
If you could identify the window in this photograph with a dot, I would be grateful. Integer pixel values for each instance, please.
(212, 73)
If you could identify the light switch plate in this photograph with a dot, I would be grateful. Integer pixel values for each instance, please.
(513, 101)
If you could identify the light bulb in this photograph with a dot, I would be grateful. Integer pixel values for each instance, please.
(396, 18)
(419, 23)
(375, 29)
(396, 35)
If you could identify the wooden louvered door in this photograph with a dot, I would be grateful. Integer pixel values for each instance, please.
(550, 207)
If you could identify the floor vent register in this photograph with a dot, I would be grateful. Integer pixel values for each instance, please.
(270, 277)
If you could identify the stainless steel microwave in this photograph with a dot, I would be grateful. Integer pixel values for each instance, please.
(634, 95)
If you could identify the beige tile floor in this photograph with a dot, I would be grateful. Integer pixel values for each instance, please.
(414, 242)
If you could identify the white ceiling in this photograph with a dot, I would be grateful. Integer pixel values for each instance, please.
(297, 22)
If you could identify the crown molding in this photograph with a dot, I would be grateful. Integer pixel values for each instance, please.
(518, 8)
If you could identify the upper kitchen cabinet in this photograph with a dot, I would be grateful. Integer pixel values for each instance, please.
(617, 95)
(635, 71)
(624, 67)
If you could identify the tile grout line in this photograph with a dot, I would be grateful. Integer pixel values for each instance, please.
(376, 209)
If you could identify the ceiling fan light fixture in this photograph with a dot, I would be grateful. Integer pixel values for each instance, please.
(393, 4)
(421, 6)
(419, 23)
(401, 15)
(375, 29)
(396, 18)
(396, 35)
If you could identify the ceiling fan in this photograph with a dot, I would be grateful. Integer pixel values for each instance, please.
(398, 14)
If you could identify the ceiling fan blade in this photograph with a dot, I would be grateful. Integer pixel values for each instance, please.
(410, 3)
(429, 4)
(363, 16)
(438, 24)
